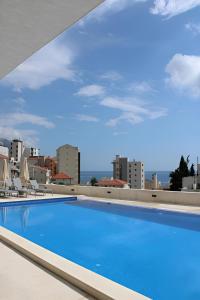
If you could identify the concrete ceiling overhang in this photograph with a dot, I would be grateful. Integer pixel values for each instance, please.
(28, 25)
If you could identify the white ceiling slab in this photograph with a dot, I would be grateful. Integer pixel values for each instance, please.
(27, 25)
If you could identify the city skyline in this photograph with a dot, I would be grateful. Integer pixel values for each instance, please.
(123, 80)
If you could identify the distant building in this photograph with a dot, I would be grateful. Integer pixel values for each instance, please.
(130, 171)
(51, 164)
(120, 165)
(42, 175)
(68, 161)
(37, 161)
(136, 177)
(4, 151)
(62, 178)
(31, 152)
(116, 183)
(16, 150)
(152, 184)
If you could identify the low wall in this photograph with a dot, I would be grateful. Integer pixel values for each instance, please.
(182, 198)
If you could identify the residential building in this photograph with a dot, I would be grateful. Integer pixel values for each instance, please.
(136, 177)
(115, 183)
(120, 165)
(68, 161)
(51, 164)
(31, 152)
(36, 161)
(16, 150)
(130, 171)
(62, 178)
(42, 175)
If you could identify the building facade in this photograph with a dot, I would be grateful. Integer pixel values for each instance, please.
(42, 175)
(136, 178)
(120, 165)
(129, 171)
(68, 161)
(31, 152)
(37, 161)
(51, 164)
(16, 150)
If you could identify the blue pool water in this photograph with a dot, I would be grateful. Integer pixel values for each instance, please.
(154, 252)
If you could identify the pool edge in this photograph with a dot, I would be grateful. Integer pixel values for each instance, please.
(93, 284)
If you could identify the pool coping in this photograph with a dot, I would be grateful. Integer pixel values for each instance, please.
(93, 284)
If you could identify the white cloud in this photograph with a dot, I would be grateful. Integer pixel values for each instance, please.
(19, 101)
(18, 118)
(111, 75)
(141, 87)
(170, 8)
(51, 63)
(10, 121)
(184, 73)
(30, 137)
(86, 118)
(132, 110)
(193, 27)
(117, 133)
(107, 8)
(91, 91)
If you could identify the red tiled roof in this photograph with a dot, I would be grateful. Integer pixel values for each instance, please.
(62, 176)
(3, 156)
(111, 182)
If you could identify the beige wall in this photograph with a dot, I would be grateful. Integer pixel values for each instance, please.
(39, 174)
(67, 157)
(181, 198)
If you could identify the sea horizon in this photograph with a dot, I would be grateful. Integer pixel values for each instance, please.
(163, 176)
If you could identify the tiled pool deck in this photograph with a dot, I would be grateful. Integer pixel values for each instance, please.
(31, 281)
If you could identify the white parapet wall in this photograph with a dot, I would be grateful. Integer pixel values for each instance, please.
(181, 198)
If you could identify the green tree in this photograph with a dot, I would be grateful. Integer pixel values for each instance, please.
(192, 170)
(93, 181)
(177, 175)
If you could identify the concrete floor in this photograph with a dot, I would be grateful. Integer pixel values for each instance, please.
(21, 279)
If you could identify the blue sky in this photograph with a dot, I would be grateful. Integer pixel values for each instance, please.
(123, 80)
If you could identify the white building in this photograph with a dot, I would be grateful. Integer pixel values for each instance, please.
(16, 150)
(68, 158)
(130, 171)
(136, 177)
(31, 152)
(4, 151)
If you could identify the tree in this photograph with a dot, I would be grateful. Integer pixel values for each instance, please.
(177, 176)
(192, 170)
(93, 181)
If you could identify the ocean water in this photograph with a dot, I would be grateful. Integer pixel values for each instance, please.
(163, 176)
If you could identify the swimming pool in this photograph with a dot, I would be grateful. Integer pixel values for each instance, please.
(154, 252)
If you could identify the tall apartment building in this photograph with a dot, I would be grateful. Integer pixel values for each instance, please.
(68, 161)
(16, 150)
(136, 177)
(130, 171)
(120, 165)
